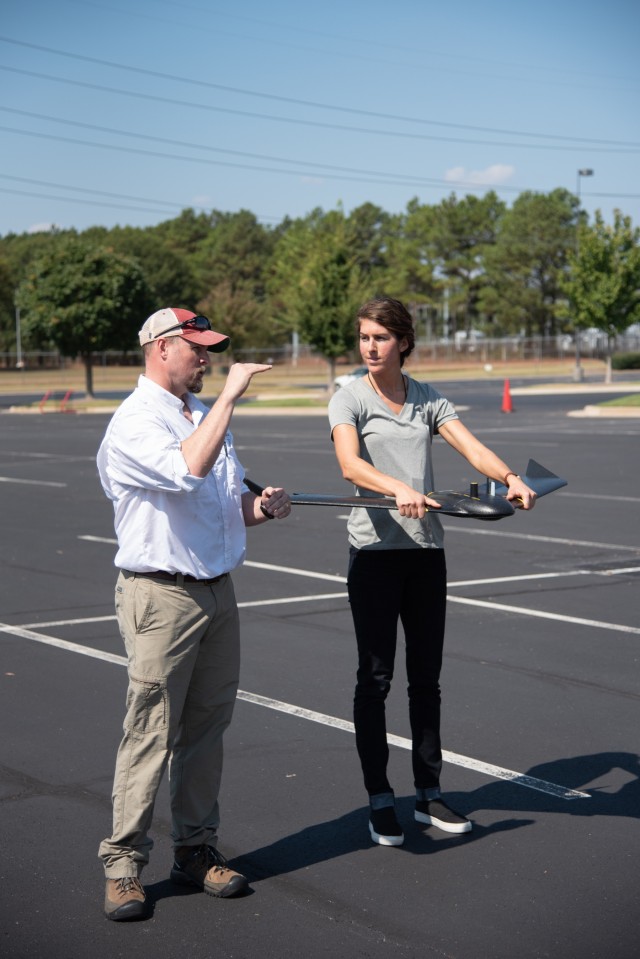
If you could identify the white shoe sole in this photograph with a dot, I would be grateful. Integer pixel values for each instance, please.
(386, 840)
(454, 827)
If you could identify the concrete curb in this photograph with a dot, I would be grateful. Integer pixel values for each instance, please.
(607, 411)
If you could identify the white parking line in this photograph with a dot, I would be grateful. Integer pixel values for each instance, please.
(291, 570)
(23, 633)
(500, 607)
(520, 578)
(534, 538)
(604, 496)
(292, 599)
(487, 769)
(29, 482)
(540, 614)
(495, 772)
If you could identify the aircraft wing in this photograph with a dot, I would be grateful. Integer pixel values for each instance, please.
(489, 505)
(481, 506)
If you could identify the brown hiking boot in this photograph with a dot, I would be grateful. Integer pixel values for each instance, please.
(205, 867)
(124, 899)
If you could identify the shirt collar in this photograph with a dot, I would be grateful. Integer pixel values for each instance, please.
(159, 393)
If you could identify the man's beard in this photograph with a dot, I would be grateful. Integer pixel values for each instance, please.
(195, 386)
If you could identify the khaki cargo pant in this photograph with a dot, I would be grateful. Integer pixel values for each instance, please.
(183, 650)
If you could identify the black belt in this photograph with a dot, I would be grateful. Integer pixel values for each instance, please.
(178, 578)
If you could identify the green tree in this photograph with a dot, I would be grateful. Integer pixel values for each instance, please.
(7, 308)
(230, 265)
(411, 264)
(521, 284)
(82, 299)
(241, 316)
(602, 285)
(295, 247)
(459, 234)
(317, 284)
(186, 232)
(236, 250)
(19, 249)
(168, 271)
(328, 305)
(409, 274)
(367, 235)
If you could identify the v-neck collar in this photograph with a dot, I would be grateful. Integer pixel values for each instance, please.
(381, 398)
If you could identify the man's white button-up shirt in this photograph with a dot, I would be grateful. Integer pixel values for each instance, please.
(165, 518)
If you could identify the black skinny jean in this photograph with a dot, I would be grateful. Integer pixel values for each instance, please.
(385, 586)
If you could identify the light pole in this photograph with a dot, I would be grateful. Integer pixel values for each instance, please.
(19, 360)
(578, 372)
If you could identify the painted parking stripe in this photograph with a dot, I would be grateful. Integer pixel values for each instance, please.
(500, 607)
(534, 538)
(291, 570)
(540, 614)
(495, 772)
(455, 759)
(30, 482)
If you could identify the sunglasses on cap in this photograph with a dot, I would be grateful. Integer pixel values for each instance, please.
(195, 323)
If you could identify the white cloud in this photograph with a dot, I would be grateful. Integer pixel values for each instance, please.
(455, 174)
(491, 176)
(41, 228)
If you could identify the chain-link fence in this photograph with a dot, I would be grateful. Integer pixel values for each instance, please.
(473, 348)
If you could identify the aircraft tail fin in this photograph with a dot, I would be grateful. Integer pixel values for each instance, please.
(539, 479)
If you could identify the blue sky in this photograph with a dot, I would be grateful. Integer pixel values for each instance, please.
(127, 111)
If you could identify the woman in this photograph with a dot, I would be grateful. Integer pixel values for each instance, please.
(382, 428)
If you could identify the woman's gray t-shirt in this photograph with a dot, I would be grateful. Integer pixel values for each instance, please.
(400, 446)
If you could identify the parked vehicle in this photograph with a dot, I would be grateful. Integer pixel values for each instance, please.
(346, 378)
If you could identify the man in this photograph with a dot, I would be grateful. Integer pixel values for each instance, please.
(168, 464)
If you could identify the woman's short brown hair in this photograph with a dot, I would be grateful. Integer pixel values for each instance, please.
(395, 318)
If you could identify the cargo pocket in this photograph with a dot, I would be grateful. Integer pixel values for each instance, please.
(146, 706)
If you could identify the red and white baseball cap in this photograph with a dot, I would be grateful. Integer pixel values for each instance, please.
(190, 326)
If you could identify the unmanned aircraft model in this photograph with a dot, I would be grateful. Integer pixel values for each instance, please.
(490, 504)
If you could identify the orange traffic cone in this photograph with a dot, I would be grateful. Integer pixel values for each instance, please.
(507, 405)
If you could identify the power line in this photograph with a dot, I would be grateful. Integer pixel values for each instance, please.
(93, 191)
(315, 123)
(321, 169)
(311, 103)
(242, 166)
(161, 205)
(317, 167)
(77, 200)
(448, 56)
(170, 207)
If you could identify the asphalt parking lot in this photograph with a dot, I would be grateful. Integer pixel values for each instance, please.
(540, 713)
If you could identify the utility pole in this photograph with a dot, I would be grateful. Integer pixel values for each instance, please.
(578, 372)
(19, 362)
